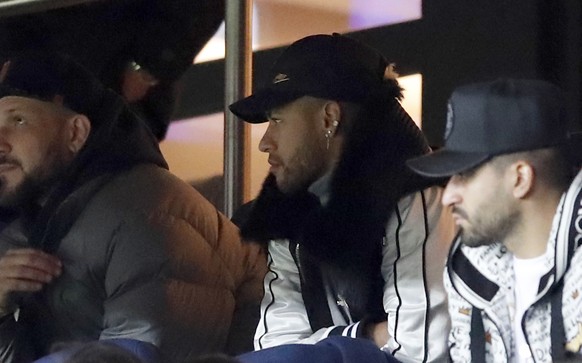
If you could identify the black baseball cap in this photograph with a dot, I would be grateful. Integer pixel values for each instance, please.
(327, 66)
(44, 75)
(494, 118)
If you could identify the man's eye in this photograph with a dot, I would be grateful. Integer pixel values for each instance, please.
(19, 120)
(275, 120)
(466, 175)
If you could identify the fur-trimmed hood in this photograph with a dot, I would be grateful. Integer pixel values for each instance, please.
(343, 239)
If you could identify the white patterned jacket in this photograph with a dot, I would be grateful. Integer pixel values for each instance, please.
(480, 283)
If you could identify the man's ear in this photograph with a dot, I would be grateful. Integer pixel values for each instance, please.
(78, 129)
(523, 179)
(332, 115)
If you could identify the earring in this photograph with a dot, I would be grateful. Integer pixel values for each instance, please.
(327, 134)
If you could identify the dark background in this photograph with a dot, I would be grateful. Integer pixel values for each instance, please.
(455, 42)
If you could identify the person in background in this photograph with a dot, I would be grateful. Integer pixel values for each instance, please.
(356, 242)
(335, 349)
(107, 244)
(100, 351)
(514, 272)
(213, 358)
(138, 48)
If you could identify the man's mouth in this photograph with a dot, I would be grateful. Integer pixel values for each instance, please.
(459, 215)
(4, 167)
(274, 165)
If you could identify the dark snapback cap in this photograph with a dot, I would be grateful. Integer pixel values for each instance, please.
(326, 66)
(46, 75)
(494, 118)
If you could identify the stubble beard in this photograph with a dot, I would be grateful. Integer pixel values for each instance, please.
(487, 230)
(35, 184)
(305, 167)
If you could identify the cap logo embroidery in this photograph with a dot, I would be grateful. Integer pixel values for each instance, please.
(449, 124)
(281, 77)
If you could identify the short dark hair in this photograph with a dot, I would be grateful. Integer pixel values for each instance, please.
(380, 99)
(552, 165)
(349, 112)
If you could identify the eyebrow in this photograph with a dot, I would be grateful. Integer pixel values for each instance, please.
(13, 105)
(272, 116)
(12, 109)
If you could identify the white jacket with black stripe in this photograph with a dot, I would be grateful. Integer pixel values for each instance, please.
(416, 243)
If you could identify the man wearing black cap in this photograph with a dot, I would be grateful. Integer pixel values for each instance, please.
(107, 244)
(514, 273)
(354, 238)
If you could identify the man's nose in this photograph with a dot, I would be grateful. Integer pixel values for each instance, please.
(267, 143)
(5, 146)
(452, 193)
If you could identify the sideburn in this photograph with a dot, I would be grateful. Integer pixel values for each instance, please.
(38, 184)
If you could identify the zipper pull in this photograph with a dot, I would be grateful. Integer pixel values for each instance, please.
(341, 302)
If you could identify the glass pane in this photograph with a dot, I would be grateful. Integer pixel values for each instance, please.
(412, 101)
(280, 22)
(194, 151)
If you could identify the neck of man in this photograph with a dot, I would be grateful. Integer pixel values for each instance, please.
(529, 238)
(321, 187)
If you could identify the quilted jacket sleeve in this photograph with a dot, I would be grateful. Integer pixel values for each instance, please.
(14, 343)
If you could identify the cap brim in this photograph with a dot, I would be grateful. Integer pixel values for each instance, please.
(444, 163)
(254, 108)
(10, 91)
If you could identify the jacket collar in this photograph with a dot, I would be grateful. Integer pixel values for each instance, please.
(479, 273)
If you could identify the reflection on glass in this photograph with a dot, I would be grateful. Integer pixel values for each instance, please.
(280, 22)
(412, 101)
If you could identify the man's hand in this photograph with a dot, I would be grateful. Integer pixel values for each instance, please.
(378, 333)
(25, 270)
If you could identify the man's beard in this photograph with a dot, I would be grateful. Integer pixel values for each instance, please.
(487, 230)
(36, 184)
(304, 168)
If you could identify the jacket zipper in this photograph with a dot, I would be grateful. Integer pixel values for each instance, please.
(344, 308)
